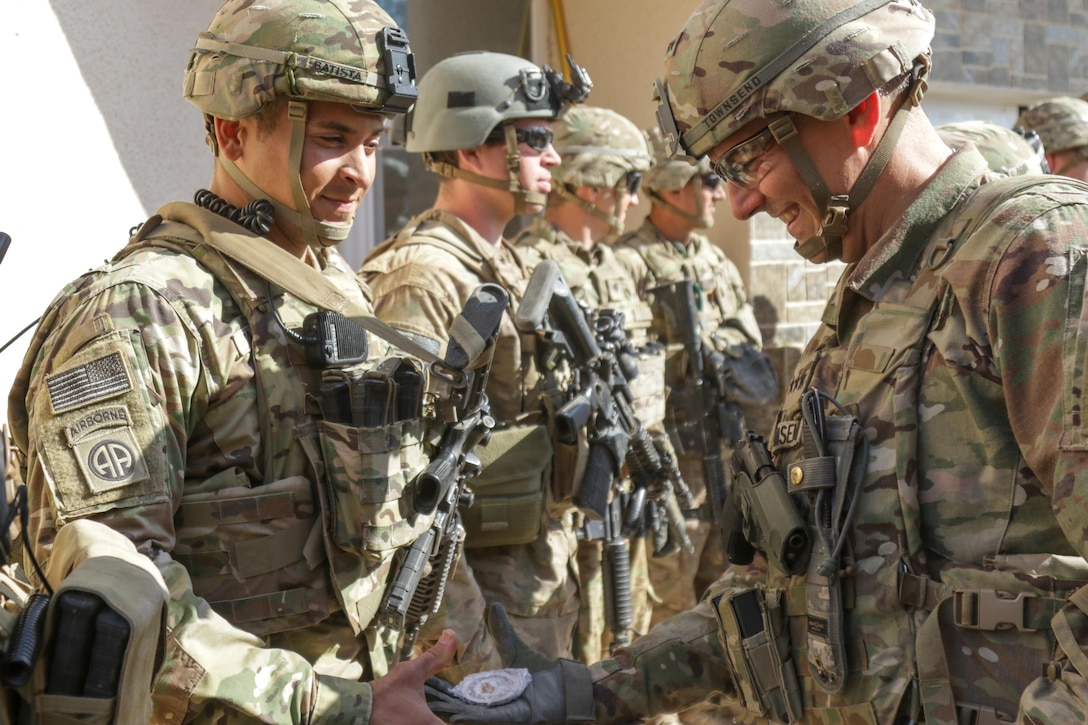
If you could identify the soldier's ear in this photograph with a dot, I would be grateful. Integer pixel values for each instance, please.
(864, 119)
(228, 135)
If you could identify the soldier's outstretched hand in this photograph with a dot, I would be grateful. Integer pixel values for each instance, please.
(398, 696)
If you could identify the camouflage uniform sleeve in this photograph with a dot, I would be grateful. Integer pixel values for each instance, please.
(117, 385)
(1034, 305)
(680, 663)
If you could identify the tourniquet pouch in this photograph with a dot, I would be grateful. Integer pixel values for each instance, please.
(509, 504)
(367, 504)
(756, 640)
(252, 552)
(105, 632)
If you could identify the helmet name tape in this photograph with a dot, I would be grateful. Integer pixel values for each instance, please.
(307, 62)
(774, 68)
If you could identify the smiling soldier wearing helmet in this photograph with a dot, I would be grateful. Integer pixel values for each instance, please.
(927, 472)
(193, 393)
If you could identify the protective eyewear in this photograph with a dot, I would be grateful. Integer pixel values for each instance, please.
(631, 181)
(711, 181)
(742, 165)
(538, 138)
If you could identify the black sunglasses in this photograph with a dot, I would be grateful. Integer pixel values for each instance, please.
(632, 181)
(711, 181)
(535, 137)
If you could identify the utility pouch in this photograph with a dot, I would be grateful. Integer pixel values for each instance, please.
(757, 643)
(127, 624)
(509, 504)
(831, 482)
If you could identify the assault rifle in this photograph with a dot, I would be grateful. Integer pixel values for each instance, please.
(602, 405)
(702, 415)
(424, 568)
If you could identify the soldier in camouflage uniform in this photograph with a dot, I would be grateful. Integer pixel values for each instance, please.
(1007, 150)
(482, 123)
(169, 394)
(931, 440)
(1062, 125)
(603, 158)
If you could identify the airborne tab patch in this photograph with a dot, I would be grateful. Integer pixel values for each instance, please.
(96, 380)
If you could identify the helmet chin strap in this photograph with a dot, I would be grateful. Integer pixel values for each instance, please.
(700, 218)
(826, 245)
(314, 232)
(614, 224)
(522, 196)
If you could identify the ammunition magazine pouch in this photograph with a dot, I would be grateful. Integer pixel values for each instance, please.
(756, 640)
(93, 559)
(510, 489)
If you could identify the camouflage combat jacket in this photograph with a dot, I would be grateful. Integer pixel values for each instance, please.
(162, 397)
(420, 280)
(963, 361)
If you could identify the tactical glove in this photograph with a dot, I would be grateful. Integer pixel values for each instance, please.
(560, 691)
(557, 696)
(514, 652)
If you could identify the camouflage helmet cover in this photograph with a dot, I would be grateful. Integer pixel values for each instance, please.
(671, 173)
(1062, 123)
(346, 51)
(464, 97)
(739, 60)
(598, 147)
(1005, 150)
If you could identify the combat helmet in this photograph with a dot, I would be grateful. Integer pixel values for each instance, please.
(468, 97)
(344, 51)
(602, 149)
(1006, 150)
(673, 173)
(740, 60)
(1062, 125)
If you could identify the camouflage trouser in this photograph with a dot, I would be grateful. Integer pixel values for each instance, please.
(593, 636)
(537, 583)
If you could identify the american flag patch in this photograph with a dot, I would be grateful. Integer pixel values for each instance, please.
(96, 380)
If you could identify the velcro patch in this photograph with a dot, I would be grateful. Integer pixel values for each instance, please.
(106, 449)
(110, 458)
(98, 379)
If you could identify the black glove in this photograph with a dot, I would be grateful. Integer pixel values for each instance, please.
(557, 696)
(514, 652)
(560, 691)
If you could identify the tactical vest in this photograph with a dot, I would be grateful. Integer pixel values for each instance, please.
(858, 635)
(334, 505)
(597, 279)
(666, 265)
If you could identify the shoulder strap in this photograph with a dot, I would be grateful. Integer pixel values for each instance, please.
(276, 265)
(411, 235)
